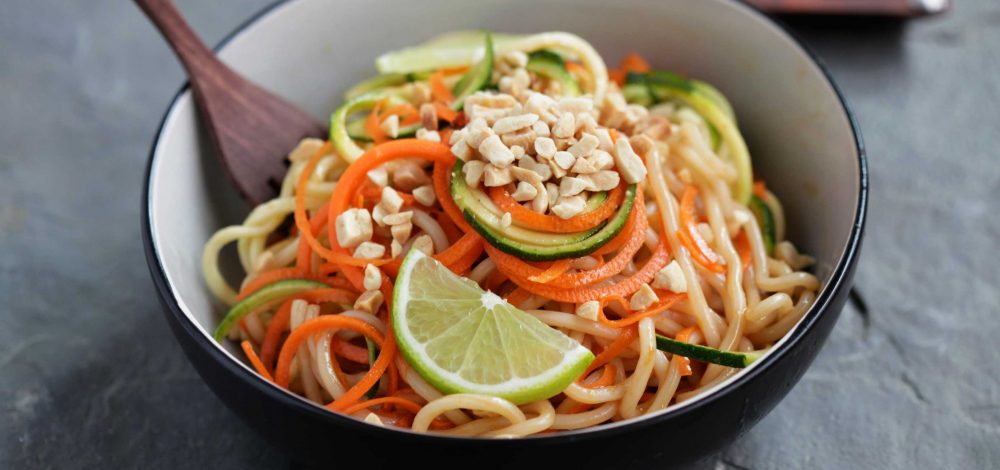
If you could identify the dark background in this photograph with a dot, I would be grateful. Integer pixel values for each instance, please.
(90, 376)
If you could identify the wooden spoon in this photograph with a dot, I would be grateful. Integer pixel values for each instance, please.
(252, 129)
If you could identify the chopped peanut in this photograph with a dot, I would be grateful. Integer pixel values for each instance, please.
(353, 227)
(474, 172)
(390, 126)
(671, 278)
(408, 175)
(369, 250)
(567, 207)
(497, 176)
(428, 117)
(373, 277)
(425, 195)
(423, 243)
(629, 164)
(379, 176)
(565, 127)
(545, 147)
(495, 152)
(525, 192)
(588, 310)
(585, 146)
(430, 136)
(398, 218)
(370, 301)
(514, 123)
(571, 186)
(391, 200)
(643, 298)
(401, 232)
(564, 160)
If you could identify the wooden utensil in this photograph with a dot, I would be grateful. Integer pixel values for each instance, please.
(252, 129)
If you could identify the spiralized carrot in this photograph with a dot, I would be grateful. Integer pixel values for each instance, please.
(349, 351)
(691, 238)
(633, 235)
(441, 178)
(550, 223)
(248, 350)
(684, 363)
(760, 189)
(439, 91)
(373, 124)
(614, 349)
(279, 323)
(446, 114)
(744, 249)
(657, 261)
(607, 378)
(517, 296)
(667, 300)
(632, 62)
(407, 405)
(333, 322)
(280, 320)
(558, 268)
(407, 113)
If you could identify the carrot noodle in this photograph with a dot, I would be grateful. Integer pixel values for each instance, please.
(737, 296)
(248, 350)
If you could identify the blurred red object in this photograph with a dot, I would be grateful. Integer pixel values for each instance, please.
(901, 8)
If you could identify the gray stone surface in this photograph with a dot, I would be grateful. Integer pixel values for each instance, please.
(90, 375)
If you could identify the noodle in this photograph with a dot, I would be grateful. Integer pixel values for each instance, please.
(734, 295)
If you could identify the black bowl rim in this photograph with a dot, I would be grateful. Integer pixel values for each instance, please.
(836, 284)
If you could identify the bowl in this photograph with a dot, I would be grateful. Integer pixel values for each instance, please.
(802, 136)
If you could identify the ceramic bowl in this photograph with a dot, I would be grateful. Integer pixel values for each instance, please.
(802, 137)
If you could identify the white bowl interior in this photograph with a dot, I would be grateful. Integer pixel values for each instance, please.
(310, 51)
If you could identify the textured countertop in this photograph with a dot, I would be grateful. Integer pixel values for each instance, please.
(90, 375)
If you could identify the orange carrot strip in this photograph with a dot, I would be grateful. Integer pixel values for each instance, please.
(400, 402)
(634, 62)
(349, 351)
(684, 363)
(743, 248)
(517, 296)
(760, 189)
(668, 299)
(248, 350)
(280, 320)
(439, 90)
(454, 70)
(615, 348)
(550, 223)
(373, 124)
(607, 378)
(442, 178)
(691, 238)
(446, 114)
(278, 325)
(627, 286)
(334, 322)
(558, 268)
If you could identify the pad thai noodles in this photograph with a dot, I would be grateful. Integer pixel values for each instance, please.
(504, 238)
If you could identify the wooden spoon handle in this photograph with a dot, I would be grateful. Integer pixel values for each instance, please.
(199, 61)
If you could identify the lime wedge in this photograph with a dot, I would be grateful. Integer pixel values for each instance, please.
(463, 339)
